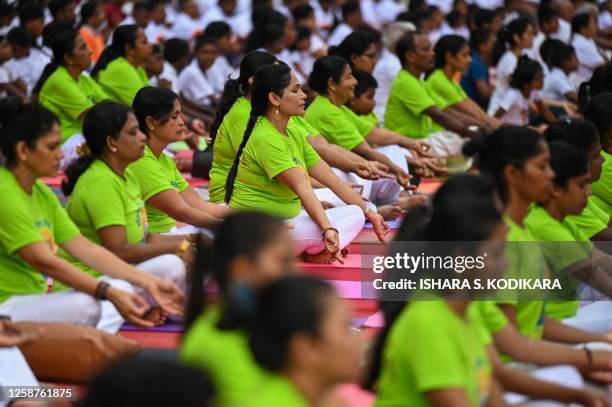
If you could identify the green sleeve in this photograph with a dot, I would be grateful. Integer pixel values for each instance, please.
(63, 227)
(590, 220)
(178, 179)
(98, 93)
(436, 364)
(339, 130)
(363, 126)
(413, 96)
(151, 177)
(272, 156)
(311, 157)
(443, 87)
(109, 211)
(18, 228)
(122, 83)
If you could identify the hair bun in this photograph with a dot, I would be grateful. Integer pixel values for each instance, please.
(475, 146)
(9, 108)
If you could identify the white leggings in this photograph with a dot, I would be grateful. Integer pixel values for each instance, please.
(69, 148)
(396, 154)
(562, 375)
(448, 146)
(189, 230)
(14, 370)
(595, 317)
(349, 221)
(167, 266)
(79, 308)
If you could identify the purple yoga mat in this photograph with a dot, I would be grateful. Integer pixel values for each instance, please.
(173, 327)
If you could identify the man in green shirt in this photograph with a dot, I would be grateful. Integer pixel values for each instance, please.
(415, 111)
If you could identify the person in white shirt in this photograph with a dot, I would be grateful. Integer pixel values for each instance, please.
(325, 15)
(604, 20)
(226, 11)
(197, 83)
(455, 25)
(562, 62)
(548, 22)
(527, 80)
(157, 31)
(567, 11)
(301, 53)
(584, 30)
(228, 46)
(8, 20)
(304, 15)
(188, 23)
(513, 40)
(388, 10)
(176, 58)
(388, 65)
(351, 14)
(28, 62)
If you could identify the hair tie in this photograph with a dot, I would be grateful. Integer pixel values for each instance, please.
(83, 150)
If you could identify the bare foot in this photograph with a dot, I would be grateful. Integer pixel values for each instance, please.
(155, 315)
(389, 212)
(407, 202)
(323, 257)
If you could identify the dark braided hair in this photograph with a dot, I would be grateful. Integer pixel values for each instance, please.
(235, 88)
(268, 79)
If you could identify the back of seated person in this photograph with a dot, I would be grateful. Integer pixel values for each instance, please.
(119, 70)
(562, 62)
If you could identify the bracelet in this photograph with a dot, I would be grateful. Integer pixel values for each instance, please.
(185, 244)
(102, 291)
(589, 355)
(326, 229)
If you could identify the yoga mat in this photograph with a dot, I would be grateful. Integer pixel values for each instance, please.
(54, 181)
(375, 320)
(350, 261)
(393, 224)
(354, 290)
(174, 327)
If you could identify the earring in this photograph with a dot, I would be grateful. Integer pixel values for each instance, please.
(277, 110)
(113, 149)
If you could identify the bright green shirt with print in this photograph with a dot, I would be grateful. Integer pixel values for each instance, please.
(157, 175)
(226, 356)
(592, 220)
(602, 188)
(525, 260)
(278, 391)
(26, 219)
(228, 139)
(445, 88)
(121, 205)
(563, 244)
(409, 97)
(430, 347)
(338, 124)
(122, 80)
(69, 99)
(267, 154)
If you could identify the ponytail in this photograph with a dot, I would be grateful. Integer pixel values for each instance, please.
(124, 35)
(106, 119)
(236, 88)
(505, 38)
(231, 177)
(200, 273)
(62, 44)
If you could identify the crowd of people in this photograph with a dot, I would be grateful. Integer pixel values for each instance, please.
(309, 118)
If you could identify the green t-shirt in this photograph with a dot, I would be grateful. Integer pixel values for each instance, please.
(68, 99)
(24, 220)
(563, 244)
(445, 88)
(525, 260)
(267, 154)
(431, 348)
(409, 97)
(122, 205)
(490, 319)
(277, 391)
(592, 220)
(371, 118)
(226, 356)
(339, 125)
(157, 175)
(228, 139)
(122, 80)
(602, 188)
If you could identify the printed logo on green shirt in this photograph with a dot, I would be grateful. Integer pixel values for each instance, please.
(46, 231)
(174, 184)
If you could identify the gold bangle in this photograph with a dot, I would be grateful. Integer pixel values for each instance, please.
(185, 244)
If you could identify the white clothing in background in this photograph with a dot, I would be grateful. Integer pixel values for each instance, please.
(505, 68)
(339, 34)
(564, 33)
(240, 23)
(557, 84)
(169, 73)
(158, 33)
(29, 68)
(195, 85)
(588, 55)
(516, 106)
(186, 27)
(385, 72)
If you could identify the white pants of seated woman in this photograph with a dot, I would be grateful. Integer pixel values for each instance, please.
(566, 376)
(69, 148)
(14, 370)
(168, 266)
(189, 230)
(595, 317)
(448, 146)
(349, 221)
(396, 154)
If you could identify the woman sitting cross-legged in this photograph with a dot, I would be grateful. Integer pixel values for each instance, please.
(34, 225)
(273, 166)
(119, 220)
(168, 196)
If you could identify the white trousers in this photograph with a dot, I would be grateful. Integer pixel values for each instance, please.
(189, 230)
(69, 148)
(167, 266)
(448, 146)
(562, 375)
(349, 221)
(595, 317)
(14, 369)
(396, 154)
